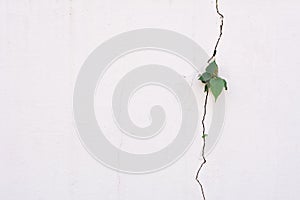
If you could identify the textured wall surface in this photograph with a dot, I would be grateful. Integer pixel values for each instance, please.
(42, 47)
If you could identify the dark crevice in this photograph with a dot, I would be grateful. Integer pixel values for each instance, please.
(204, 143)
(221, 31)
(205, 103)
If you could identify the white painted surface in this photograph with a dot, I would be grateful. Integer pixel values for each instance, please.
(42, 47)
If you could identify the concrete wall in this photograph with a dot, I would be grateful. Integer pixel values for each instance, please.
(42, 47)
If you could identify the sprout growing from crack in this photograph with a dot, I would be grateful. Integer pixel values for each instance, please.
(212, 82)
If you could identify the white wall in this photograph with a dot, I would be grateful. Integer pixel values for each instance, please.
(43, 45)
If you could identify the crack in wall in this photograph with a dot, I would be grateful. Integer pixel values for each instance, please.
(205, 102)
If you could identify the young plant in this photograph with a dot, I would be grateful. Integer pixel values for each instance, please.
(212, 82)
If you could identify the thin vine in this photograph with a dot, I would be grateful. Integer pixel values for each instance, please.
(214, 83)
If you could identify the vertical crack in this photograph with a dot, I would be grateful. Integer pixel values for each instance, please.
(205, 102)
(221, 31)
(203, 147)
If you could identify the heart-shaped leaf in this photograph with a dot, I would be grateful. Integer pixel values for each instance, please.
(212, 68)
(216, 85)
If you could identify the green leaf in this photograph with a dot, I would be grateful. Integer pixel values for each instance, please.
(205, 77)
(216, 86)
(204, 136)
(212, 68)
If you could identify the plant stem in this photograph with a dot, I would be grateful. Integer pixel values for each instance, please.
(221, 31)
(204, 143)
